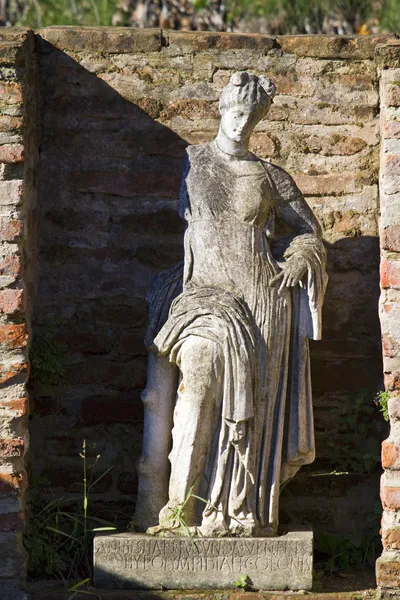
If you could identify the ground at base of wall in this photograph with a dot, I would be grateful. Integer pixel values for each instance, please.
(220, 595)
(353, 585)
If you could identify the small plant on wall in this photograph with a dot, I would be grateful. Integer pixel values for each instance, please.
(382, 399)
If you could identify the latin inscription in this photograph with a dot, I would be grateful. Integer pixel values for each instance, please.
(227, 556)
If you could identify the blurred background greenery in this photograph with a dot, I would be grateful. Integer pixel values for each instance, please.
(256, 16)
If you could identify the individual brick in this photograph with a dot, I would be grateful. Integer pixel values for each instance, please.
(11, 153)
(11, 301)
(388, 55)
(11, 447)
(390, 238)
(11, 192)
(390, 526)
(13, 337)
(12, 484)
(110, 40)
(10, 229)
(390, 455)
(330, 46)
(390, 490)
(11, 567)
(392, 95)
(394, 407)
(390, 497)
(390, 273)
(18, 407)
(195, 41)
(315, 185)
(10, 266)
(8, 123)
(388, 570)
(12, 521)
(391, 130)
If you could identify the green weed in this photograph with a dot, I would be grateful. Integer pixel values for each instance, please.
(381, 400)
(59, 534)
(358, 450)
(243, 583)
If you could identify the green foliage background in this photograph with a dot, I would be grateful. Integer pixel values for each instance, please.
(266, 16)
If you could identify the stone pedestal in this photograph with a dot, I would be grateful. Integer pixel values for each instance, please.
(139, 561)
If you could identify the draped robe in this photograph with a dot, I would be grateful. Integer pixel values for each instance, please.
(262, 407)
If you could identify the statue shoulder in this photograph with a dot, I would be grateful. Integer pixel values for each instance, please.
(286, 189)
(198, 151)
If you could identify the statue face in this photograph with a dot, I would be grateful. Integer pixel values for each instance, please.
(238, 122)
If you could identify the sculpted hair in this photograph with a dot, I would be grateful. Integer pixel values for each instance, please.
(247, 89)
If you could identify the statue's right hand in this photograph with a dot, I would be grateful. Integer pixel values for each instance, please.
(292, 272)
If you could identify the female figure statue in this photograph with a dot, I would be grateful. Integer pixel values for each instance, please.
(229, 366)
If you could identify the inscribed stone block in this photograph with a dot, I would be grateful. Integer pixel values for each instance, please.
(139, 561)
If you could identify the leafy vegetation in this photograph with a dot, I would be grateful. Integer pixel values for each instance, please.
(59, 533)
(265, 16)
(358, 451)
(382, 400)
(358, 550)
(243, 583)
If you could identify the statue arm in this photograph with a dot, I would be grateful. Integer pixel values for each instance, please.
(291, 207)
(299, 216)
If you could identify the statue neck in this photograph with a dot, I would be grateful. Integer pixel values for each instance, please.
(225, 144)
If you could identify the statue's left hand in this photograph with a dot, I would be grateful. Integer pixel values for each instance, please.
(292, 271)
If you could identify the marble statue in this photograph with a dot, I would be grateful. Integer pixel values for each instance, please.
(228, 398)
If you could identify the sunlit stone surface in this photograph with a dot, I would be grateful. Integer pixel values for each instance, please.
(140, 561)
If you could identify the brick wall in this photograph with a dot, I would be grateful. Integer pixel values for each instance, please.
(18, 153)
(117, 108)
(388, 566)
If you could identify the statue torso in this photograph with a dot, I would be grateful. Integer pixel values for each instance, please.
(227, 205)
(221, 186)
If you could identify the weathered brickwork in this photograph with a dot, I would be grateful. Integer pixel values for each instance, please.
(117, 109)
(17, 200)
(388, 566)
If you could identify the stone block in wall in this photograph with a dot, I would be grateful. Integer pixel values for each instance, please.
(390, 455)
(390, 530)
(388, 570)
(390, 272)
(184, 42)
(330, 46)
(387, 56)
(113, 40)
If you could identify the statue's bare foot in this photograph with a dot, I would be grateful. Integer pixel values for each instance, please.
(213, 526)
(162, 531)
(243, 528)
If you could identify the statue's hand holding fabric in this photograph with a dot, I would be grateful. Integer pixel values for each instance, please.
(293, 270)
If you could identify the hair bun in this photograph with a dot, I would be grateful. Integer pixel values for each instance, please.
(240, 78)
(268, 86)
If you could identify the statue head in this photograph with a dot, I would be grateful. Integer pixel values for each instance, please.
(243, 103)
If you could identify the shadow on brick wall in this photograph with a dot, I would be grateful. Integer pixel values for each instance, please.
(108, 188)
